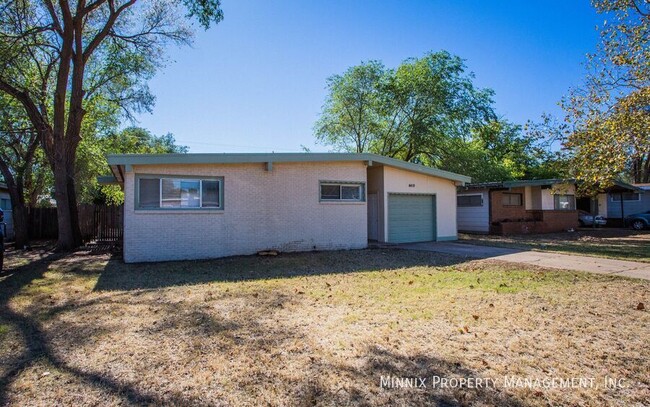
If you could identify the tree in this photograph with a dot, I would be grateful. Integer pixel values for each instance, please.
(608, 116)
(426, 111)
(18, 154)
(78, 52)
(404, 113)
(352, 116)
(132, 140)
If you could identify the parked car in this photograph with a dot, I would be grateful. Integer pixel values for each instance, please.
(587, 219)
(638, 221)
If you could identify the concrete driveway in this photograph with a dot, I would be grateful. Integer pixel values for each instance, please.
(589, 264)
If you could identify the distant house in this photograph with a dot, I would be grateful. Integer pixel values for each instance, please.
(517, 207)
(194, 206)
(537, 206)
(5, 205)
(626, 201)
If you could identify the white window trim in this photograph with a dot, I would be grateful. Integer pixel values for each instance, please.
(138, 177)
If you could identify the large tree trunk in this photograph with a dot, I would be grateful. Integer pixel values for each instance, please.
(74, 210)
(64, 214)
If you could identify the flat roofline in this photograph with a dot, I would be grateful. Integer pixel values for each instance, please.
(115, 160)
(618, 185)
(518, 183)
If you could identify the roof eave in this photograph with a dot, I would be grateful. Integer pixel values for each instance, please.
(121, 160)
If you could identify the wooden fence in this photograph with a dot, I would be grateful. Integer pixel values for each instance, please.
(98, 223)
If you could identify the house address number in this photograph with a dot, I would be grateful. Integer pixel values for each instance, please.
(411, 185)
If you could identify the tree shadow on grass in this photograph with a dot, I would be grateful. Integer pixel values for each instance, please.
(120, 276)
(38, 348)
(362, 385)
(245, 334)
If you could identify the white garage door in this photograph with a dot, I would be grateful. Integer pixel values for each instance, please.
(411, 218)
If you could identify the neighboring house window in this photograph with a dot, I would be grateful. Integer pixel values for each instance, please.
(5, 204)
(564, 202)
(627, 196)
(511, 199)
(344, 192)
(469, 200)
(179, 193)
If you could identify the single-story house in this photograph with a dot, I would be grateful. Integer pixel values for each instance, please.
(536, 206)
(623, 200)
(195, 206)
(517, 207)
(5, 205)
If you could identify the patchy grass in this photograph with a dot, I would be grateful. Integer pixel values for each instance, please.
(610, 243)
(313, 328)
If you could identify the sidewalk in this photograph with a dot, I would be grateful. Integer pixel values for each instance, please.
(588, 264)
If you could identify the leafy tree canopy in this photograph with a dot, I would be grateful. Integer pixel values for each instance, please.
(607, 122)
(62, 59)
(131, 140)
(427, 111)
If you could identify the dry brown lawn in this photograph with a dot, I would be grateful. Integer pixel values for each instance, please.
(314, 329)
(622, 244)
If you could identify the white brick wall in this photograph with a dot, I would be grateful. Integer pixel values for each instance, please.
(263, 210)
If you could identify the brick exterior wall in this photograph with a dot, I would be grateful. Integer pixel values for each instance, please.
(499, 212)
(558, 221)
(276, 209)
(518, 220)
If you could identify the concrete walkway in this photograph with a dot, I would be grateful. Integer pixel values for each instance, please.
(589, 264)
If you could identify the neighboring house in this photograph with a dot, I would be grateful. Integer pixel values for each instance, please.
(194, 206)
(540, 206)
(628, 202)
(517, 207)
(5, 205)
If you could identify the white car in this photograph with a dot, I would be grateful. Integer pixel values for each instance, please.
(587, 219)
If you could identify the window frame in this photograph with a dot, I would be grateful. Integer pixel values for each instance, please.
(341, 184)
(160, 177)
(613, 195)
(521, 199)
(470, 206)
(555, 208)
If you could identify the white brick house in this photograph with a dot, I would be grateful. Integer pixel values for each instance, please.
(196, 206)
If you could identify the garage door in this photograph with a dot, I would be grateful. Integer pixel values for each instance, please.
(411, 218)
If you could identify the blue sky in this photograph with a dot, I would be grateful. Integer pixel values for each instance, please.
(256, 81)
